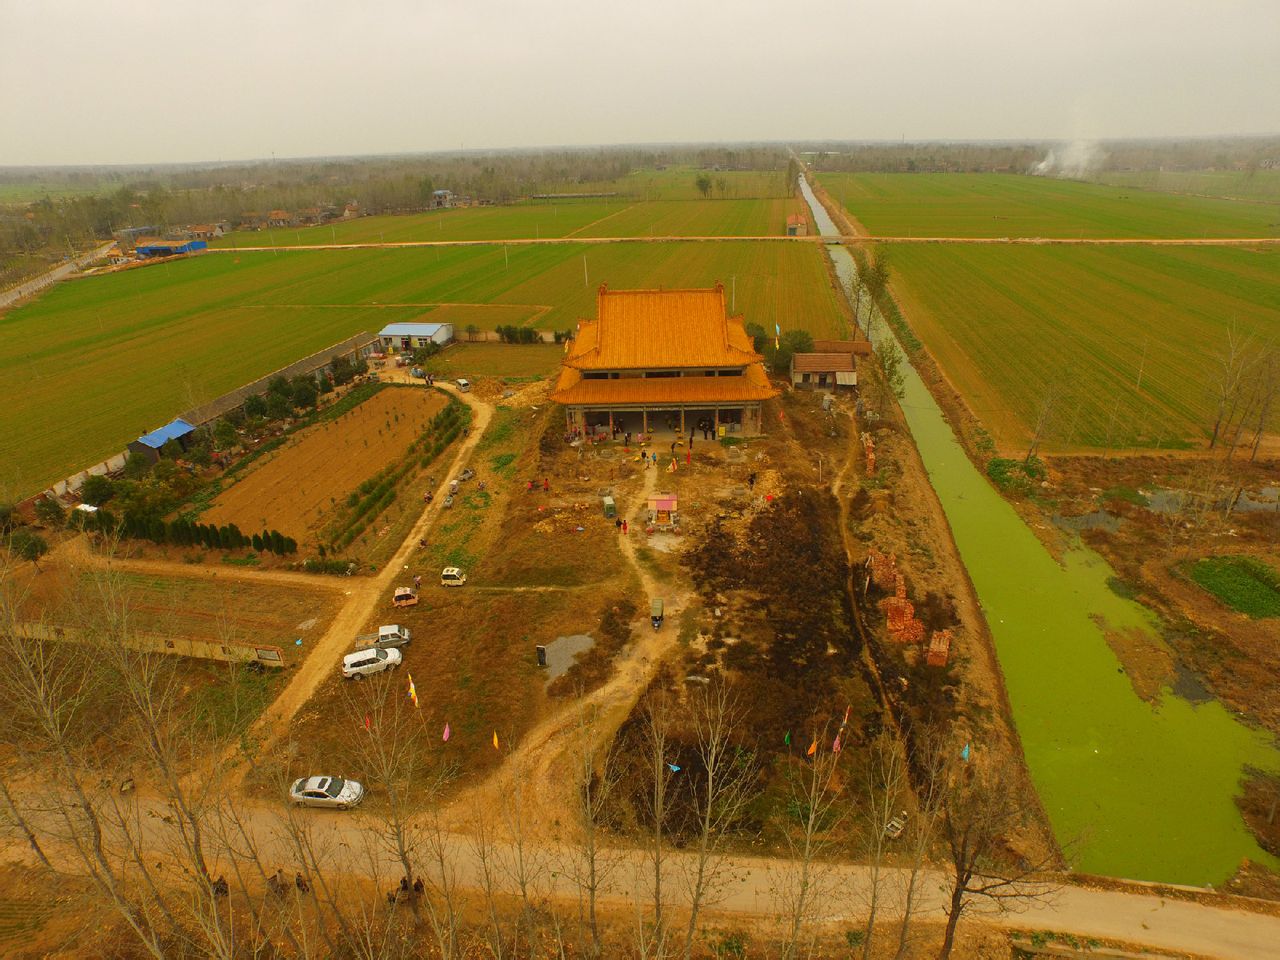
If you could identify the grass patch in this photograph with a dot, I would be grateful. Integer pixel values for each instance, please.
(1242, 583)
(1126, 494)
(503, 464)
(229, 704)
(248, 560)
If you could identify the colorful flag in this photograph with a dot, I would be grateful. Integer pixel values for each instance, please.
(787, 738)
(674, 768)
(777, 329)
(368, 724)
(964, 754)
(813, 748)
(495, 741)
(413, 692)
(447, 733)
(835, 747)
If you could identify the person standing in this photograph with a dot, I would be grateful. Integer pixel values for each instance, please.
(688, 457)
(624, 528)
(546, 485)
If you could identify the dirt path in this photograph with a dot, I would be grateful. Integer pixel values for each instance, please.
(75, 553)
(364, 597)
(1083, 241)
(543, 761)
(1229, 929)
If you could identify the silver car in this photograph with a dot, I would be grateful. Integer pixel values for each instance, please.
(332, 792)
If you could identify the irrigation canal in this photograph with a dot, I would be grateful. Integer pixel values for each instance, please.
(1136, 790)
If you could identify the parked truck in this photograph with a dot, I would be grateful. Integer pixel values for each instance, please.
(388, 635)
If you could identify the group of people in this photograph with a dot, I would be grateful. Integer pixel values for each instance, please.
(532, 485)
(404, 891)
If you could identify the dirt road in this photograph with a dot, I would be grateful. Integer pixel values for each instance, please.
(543, 761)
(1134, 917)
(365, 596)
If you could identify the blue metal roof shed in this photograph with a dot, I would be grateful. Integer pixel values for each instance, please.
(168, 248)
(170, 431)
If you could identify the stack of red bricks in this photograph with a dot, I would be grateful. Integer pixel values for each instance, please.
(939, 648)
(884, 569)
(901, 614)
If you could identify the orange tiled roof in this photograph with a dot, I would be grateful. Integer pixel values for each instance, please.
(859, 348)
(822, 362)
(661, 329)
(572, 390)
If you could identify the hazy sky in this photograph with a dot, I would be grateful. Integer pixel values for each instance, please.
(174, 80)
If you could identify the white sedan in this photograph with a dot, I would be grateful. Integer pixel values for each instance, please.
(332, 792)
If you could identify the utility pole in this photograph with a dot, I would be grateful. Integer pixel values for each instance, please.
(586, 282)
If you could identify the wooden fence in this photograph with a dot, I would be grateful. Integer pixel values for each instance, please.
(265, 654)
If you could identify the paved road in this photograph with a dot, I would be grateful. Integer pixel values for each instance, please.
(26, 289)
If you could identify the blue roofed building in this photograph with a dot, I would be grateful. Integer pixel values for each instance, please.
(411, 336)
(169, 248)
(149, 444)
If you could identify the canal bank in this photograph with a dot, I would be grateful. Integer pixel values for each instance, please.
(1132, 789)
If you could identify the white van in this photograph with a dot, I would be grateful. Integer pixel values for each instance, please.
(358, 665)
(464, 386)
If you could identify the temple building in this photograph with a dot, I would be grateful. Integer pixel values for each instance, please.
(656, 360)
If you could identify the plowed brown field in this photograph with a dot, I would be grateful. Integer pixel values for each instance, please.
(294, 489)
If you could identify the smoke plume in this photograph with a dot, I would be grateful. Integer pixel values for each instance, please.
(1074, 161)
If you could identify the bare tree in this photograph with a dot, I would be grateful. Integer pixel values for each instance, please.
(1268, 386)
(1232, 364)
(1049, 401)
(884, 785)
(725, 784)
(389, 742)
(50, 690)
(929, 767)
(484, 850)
(803, 880)
(983, 808)
(596, 774)
(653, 943)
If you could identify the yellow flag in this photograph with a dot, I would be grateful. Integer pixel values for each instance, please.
(413, 692)
(813, 748)
(495, 740)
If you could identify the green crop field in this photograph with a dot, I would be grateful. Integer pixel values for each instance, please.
(680, 183)
(1242, 184)
(94, 363)
(672, 218)
(1007, 205)
(1006, 322)
(698, 218)
(525, 360)
(516, 222)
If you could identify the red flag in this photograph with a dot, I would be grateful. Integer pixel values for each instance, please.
(447, 733)
(368, 724)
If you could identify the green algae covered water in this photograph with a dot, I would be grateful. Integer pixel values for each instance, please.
(1132, 789)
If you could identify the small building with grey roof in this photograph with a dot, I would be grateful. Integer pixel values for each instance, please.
(411, 336)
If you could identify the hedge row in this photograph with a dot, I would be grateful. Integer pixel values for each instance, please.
(186, 533)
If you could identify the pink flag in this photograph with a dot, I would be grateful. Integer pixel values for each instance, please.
(446, 733)
(835, 747)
